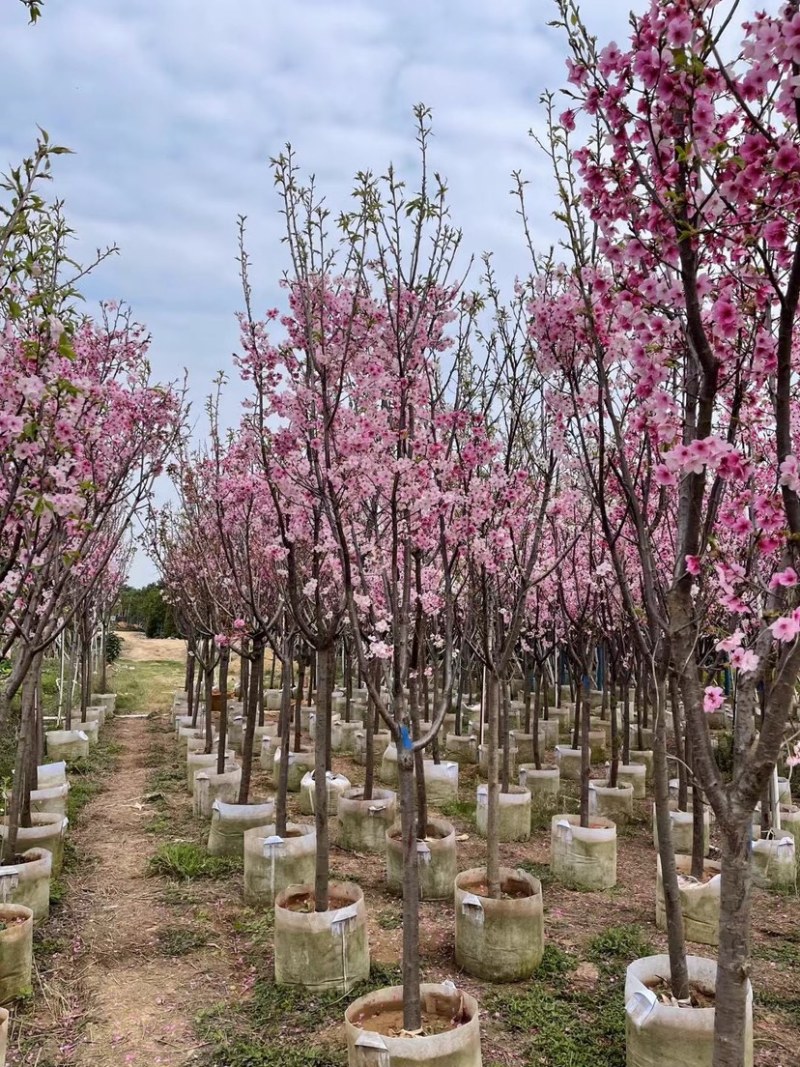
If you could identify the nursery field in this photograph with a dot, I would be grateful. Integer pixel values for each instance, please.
(151, 958)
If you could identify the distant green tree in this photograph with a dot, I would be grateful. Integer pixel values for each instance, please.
(147, 610)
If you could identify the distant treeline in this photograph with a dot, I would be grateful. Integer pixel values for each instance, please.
(146, 610)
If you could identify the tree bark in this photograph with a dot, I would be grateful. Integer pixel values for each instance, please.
(679, 974)
(321, 876)
(251, 716)
(412, 1008)
(493, 769)
(224, 662)
(734, 942)
(285, 733)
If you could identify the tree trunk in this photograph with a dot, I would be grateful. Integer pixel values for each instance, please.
(224, 662)
(369, 725)
(20, 793)
(286, 733)
(582, 713)
(190, 668)
(251, 716)
(103, 653)
(669, 874)
(493, 769)
(320, 782)
(626, 723)
(208, 686)
(298, 702)
(614, 769)
(734, 942)
(412, 1008)
(537, 707)
(506, 738)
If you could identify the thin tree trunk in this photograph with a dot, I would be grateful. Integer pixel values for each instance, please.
(614, 769)
(103, 654)
(493, 774)
(582, 702)
(222, 740)
(321, 876)
(285, 732)
(537, 706)
(251, 717)
(412, 1008)
(734, 943)
(298, 702)
(669, 875)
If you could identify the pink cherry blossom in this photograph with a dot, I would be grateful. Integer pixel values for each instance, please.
(713, 699)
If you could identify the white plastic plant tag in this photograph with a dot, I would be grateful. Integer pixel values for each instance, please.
(82, 736)
(8, 883)
(423, 852)
(640, 1005)
(565, 829)
(375, 808)
(369, 1039)
(449, 987)
(483, 795)
(469, 900)
(272, 842)
(343, 915)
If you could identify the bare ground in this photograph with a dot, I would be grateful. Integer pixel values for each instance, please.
(109, 995)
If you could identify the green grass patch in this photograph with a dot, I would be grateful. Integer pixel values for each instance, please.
(459, 809)
(146, 685)
(180, 940)
(184, 861)
(87, 776)
(564, 1020)
(616, 947)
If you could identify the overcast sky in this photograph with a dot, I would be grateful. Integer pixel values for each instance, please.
(174, 107)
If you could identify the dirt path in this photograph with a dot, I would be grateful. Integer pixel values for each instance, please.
(136, 998)
(132, 1004)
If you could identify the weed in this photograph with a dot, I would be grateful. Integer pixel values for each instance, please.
(57, 892)
(258, 928)
(184, 861)
(458, 809)
(180, 940)
(538, 870)
(389, 919)
(616, 947)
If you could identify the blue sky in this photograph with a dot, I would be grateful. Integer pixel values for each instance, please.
(173, 108)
